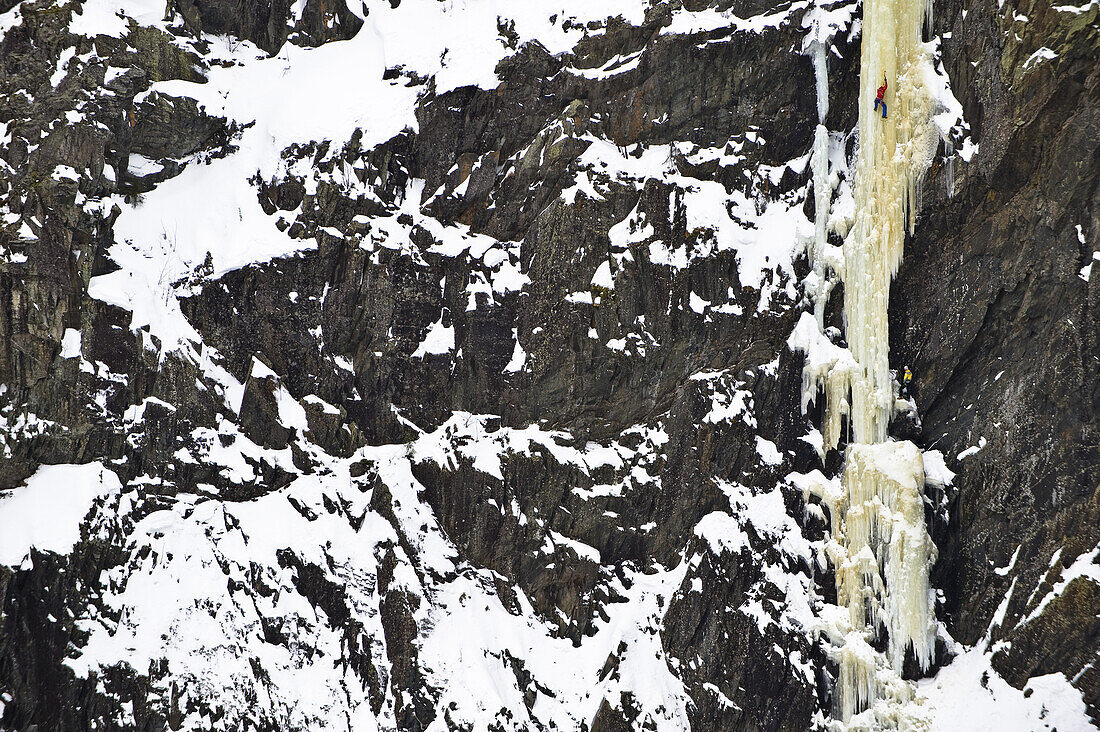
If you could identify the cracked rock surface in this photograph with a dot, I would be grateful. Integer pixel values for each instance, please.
(415, 365)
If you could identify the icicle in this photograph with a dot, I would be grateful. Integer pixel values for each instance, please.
(886, 516)
(879, 547)
(892, 157)
(858, 675)
(821, 75)
(949, 167)
(827, 366)
(823, 194)
(815, 46)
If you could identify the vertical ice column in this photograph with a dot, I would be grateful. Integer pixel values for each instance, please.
(817, 46)
(884, 484)
(880, 547)
(893, 155)
(881, 553)
(822, 196)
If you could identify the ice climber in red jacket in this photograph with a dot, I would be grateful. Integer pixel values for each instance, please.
(879, 99)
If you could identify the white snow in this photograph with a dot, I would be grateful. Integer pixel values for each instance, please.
(325, 406)
(936, 471)
(768, 452)
(697, 304)
(631, 230)
(1002, 571)
(139, 165)
(719, 218)
(136, 413)
(690, 22)
(969, 694)
(519, 356)
(46, 512)
(729, 400)
(438, 340)
(458, 42)
(618, 64)
(324, 93)
(62, 64)
(65, 172)
(291, 413)
(972, 450)
(766, 514)
(1086, 567)
(9, 20)
(1076, 9)
(70, 343)
(185, 597)
(1086, 271)
(603, 277)
(1043, 54)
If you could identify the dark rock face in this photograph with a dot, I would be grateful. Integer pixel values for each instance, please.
(574, 443)
(702, 626)
(991, 308)
(268, 24)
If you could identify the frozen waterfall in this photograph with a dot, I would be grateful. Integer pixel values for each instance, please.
(879, 546)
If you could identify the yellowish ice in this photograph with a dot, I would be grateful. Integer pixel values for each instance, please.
(879, 546)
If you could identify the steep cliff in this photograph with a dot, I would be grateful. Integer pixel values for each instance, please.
(422, 364)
